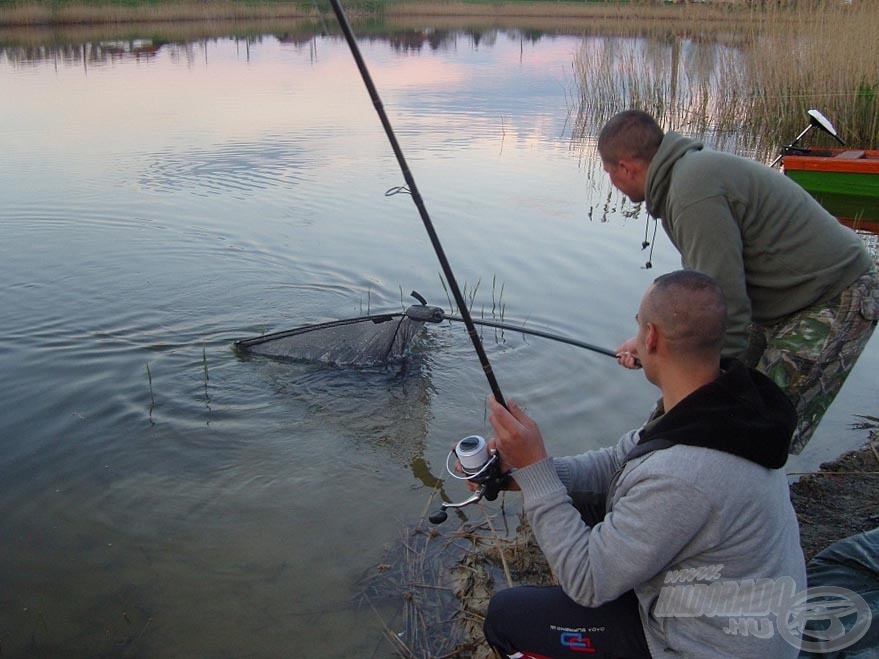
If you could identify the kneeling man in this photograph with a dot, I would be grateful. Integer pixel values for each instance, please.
(693, 549)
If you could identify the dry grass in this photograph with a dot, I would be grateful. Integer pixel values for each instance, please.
(827, 58)
(749, 83)
(432, 589)
(584, 11)
(25, 14)
(36, 39)
(36, 23)
(40, 12)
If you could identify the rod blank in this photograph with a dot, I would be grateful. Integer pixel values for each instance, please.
(419, 202)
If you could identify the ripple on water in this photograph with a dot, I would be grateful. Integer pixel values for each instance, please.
(233, 168)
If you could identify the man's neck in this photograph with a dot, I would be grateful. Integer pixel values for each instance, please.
(678, 383)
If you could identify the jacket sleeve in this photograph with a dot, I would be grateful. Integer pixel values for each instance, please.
(654, 518)
(708, 236)
(593, 471)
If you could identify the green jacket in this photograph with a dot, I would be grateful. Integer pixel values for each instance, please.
(772, 247)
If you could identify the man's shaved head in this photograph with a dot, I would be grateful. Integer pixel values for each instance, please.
(629, 135)
(690, 309)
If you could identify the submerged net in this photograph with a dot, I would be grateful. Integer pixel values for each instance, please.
(363, 341)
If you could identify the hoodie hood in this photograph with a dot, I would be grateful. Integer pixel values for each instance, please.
(674, 146)
(742, 412)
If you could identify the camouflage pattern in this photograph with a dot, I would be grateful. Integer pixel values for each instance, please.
(810, 353)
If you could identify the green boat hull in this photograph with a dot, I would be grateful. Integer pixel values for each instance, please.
(850, 208)
(838, 183)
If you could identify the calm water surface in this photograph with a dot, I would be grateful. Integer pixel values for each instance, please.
(162, 496)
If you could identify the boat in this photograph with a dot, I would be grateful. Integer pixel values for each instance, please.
(844, 180)
(846, 172)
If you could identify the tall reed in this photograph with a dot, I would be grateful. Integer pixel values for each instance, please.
(825, 57)
(746, 86)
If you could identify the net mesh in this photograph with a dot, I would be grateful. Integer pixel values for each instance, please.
(364, 341)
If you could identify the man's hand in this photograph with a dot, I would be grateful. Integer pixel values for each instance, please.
(627, 354)
(517, 436)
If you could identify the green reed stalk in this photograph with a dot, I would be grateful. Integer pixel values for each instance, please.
(448, 296)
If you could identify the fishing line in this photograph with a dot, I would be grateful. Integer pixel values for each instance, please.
(412, 189)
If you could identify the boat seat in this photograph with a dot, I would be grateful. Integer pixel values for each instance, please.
(850, 155)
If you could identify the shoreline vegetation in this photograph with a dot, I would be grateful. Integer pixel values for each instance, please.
(598, 16)
(21, 13)
(632, 16)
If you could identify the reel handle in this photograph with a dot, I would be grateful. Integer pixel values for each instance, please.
(488, 489)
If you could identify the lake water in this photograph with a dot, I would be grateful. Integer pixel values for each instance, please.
(162, 496)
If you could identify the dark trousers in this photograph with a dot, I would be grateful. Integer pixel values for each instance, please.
(542, 622)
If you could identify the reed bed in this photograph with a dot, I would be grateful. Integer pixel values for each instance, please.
(432, 589)
(747, 86)
(826, 58)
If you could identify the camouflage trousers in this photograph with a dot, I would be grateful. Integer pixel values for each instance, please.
(809, 354)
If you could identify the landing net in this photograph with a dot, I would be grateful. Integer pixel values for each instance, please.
(373, 340)
(362, 341)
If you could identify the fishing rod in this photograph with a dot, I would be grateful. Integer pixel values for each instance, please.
(478, 463)
(540, 333)
(428, 314)
(419, 202)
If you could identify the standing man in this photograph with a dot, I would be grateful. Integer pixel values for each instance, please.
(698, 552)
(802, 290)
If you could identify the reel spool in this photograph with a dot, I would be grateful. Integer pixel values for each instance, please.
(480, 465)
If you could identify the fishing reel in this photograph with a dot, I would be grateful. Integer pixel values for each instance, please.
(480, 465)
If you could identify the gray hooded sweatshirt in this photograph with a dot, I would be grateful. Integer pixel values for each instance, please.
(702, 531)
(771, 246)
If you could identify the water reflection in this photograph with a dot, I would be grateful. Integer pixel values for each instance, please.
(76, 54)
(99, 47)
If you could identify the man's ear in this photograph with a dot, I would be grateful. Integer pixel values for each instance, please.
(651, 338)
(624, 167)
(633, 167)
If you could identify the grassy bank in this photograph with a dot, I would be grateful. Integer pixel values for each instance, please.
(48, 13)
(56, 12)
(34, 25)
